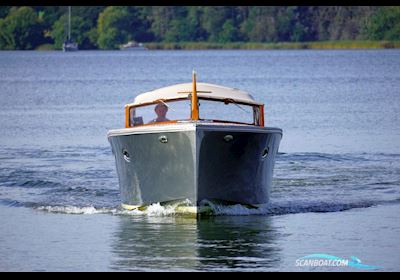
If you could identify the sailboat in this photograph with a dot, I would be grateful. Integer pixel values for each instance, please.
(69, 45)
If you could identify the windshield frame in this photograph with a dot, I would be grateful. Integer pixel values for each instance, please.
(163, 101)
(258, 111)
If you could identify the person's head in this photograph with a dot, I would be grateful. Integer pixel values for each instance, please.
(161, 110)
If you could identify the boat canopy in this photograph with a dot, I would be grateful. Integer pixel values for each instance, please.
(204, 90)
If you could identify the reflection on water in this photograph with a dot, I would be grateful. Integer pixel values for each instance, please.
(154, 243)
(177, 243)
(242, 242)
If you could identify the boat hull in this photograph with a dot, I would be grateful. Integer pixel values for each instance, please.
(195, 163)
(134, 49)
(70, 47)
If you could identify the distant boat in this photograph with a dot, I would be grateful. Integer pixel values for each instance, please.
(69, 45)
(133, 46)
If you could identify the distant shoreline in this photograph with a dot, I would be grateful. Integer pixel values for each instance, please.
(275, 46)
(316, 45)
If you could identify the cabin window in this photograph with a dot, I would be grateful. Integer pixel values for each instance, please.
(228, 111)
(160, 112)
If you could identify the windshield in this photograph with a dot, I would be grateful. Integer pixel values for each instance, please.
(226, 111)
(160, 112)
(180, 110)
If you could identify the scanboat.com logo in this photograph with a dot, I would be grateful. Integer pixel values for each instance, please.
(319, 260)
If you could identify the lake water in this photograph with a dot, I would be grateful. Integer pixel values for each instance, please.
(336, 187)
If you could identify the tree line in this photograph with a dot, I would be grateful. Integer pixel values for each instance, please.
(101, 27)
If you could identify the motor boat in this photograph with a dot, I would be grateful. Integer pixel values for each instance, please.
(193, 144)
(132, 46)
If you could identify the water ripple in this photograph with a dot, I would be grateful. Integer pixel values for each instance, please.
(82, 176)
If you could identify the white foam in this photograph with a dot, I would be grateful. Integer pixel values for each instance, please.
(73, 210)
(158, 210)
(153, 210)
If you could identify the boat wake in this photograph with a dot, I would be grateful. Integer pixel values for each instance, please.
(216, 209)
(152, 210)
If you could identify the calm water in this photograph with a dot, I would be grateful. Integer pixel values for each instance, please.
(336, 182)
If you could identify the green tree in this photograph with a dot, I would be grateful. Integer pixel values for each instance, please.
(228, 32)
(194, 30)
(6, 37)
(176, 31)
(161, 17)
(89, 13)
(79, 32)
(285, 22)
(140, 25)
(213, 18)
(108, 27)
(20, 30)
(50, 14)
(304, 28)
(182, 27)
(113, 27)
(384, 24)
(260, 26)
(4, 11)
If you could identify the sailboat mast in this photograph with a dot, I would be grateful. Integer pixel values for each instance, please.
(69, 23)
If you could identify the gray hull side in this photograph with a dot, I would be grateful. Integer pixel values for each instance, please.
(236, 170)
(196, 165)
(157, 172)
